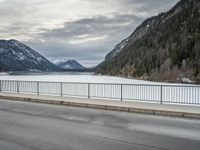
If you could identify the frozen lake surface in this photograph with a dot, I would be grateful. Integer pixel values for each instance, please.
(72, 78)
(79, 78)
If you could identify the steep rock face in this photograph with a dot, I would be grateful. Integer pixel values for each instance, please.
(71, 64)
(163, 48)
(15, 56)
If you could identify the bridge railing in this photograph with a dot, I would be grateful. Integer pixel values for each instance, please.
(184, 94)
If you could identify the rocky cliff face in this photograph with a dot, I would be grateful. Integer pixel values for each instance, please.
(15, 56)
(163, 48)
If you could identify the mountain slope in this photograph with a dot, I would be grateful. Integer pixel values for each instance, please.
(163, 48)
(71, 64)
(15, 56)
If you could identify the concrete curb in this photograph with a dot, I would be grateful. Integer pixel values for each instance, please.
(105, 107)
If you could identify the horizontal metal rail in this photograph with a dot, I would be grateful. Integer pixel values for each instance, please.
(183, 94)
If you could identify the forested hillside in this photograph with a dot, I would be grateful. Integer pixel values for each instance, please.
(163, 48)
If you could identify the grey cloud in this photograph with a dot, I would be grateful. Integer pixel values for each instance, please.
(151, 7)
(28, 19)
(57, 41)
(95, 26)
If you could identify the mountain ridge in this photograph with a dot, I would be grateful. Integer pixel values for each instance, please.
(16, 56)
(71, 64)
(163, 48)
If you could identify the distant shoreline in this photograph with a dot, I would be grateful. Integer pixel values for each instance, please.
(49, 73)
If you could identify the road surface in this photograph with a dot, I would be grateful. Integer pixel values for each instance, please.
(31, 126)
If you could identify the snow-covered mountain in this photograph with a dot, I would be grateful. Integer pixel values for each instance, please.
(70, 64)
(15, 56)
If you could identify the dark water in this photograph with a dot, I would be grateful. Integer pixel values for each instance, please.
(50, 73)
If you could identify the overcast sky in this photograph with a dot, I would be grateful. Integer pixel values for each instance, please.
(85, 30)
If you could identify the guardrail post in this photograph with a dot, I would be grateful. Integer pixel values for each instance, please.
(17, 86)
(61, 89)
(38, 88)
(0, 87)
(121, 93)
(88, 90)
(161, 93)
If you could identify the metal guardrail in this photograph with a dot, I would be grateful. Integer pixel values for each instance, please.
(185, 94)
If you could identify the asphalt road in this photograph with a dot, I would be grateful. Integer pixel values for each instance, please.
(31, 126)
